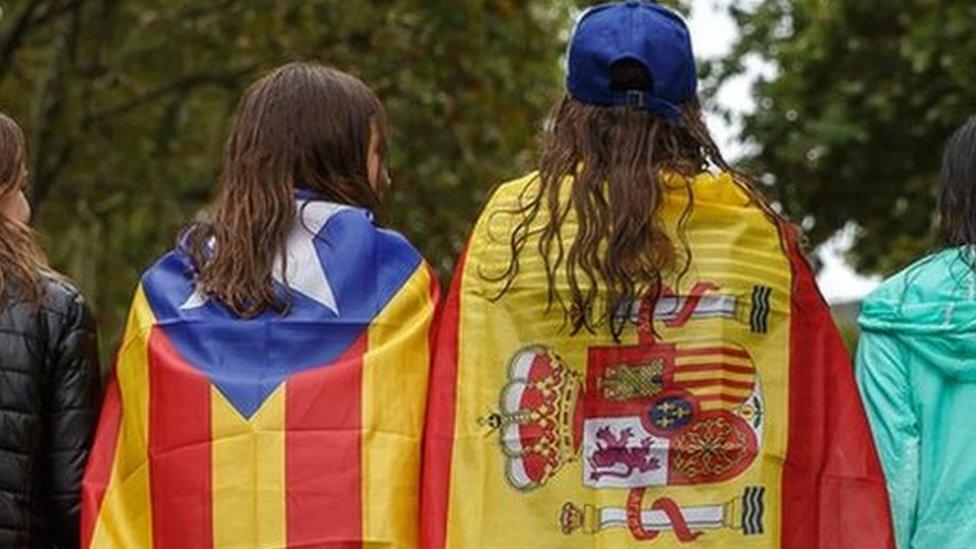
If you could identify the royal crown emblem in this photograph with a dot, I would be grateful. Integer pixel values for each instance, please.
(538, 417)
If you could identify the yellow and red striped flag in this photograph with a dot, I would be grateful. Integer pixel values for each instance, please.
(301, 430)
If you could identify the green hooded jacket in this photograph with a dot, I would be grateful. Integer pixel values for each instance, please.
(916, 368)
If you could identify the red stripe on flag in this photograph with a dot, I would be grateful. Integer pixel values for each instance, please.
(725, 351)
(98, 472)
(179, 449)
(833, 489)
(439, 433)
(731, 368)
(323, 453)
(434, 291)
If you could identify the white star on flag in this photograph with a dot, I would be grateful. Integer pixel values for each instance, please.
(304, 271)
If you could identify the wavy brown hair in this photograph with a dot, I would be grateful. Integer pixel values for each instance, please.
(304, 125)
(22, 261)
(617, 159)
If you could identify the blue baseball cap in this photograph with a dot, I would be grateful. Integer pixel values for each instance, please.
(641, 32)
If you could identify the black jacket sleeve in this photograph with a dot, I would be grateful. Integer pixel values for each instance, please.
(73, 396)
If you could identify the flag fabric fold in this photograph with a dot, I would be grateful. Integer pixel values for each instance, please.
(295, 430)
(726, 417)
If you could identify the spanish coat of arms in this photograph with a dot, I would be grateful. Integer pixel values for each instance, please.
(646, 415)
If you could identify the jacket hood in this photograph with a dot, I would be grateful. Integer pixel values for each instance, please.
(930, 307)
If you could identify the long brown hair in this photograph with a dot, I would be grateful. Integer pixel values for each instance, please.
(22, 261)
(618, 159)
(957, 199)
(303, 125)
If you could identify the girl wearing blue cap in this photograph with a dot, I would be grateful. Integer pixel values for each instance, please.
(915, 369)
(634, 348)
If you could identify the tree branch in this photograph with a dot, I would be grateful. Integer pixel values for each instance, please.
(15, 38)
(55, 147)
(183, 85)
(55, 11)
(195, 11)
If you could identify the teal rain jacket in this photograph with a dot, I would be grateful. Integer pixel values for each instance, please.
(916, 368)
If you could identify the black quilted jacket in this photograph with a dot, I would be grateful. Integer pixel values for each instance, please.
(49, 396)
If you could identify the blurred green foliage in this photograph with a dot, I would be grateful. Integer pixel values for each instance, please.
(851, 115)
(126, 105)
(849, 332)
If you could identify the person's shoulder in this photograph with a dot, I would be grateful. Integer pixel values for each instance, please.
(708, 187)
(921, 290)
(512, 192)
(64, 309)
(925, 280)
(506, 204)
(400, 256)
(54, 303)
(61, 296)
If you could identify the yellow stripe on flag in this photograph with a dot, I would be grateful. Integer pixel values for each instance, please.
(680, 376)
(249, 473)
(720, 390)
(125, 518)
(395, 370)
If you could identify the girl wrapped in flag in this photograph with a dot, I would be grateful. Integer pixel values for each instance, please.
(634, 351)
(270, 386)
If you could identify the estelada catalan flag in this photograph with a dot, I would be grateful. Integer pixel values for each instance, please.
(301, 430)
(726, 417)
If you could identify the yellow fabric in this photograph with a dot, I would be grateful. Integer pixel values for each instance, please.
(735, 246)
(243, 451)
(125, 519)
(393, 413)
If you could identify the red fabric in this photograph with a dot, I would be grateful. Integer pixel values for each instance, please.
(435, 298)
(834, 492)
(678, 523)
(635, 502)
(439, 434)
(324, 489)
(99, 468)
(179, 448)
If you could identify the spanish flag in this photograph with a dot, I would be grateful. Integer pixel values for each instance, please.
(297, 430)
(726, 417)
